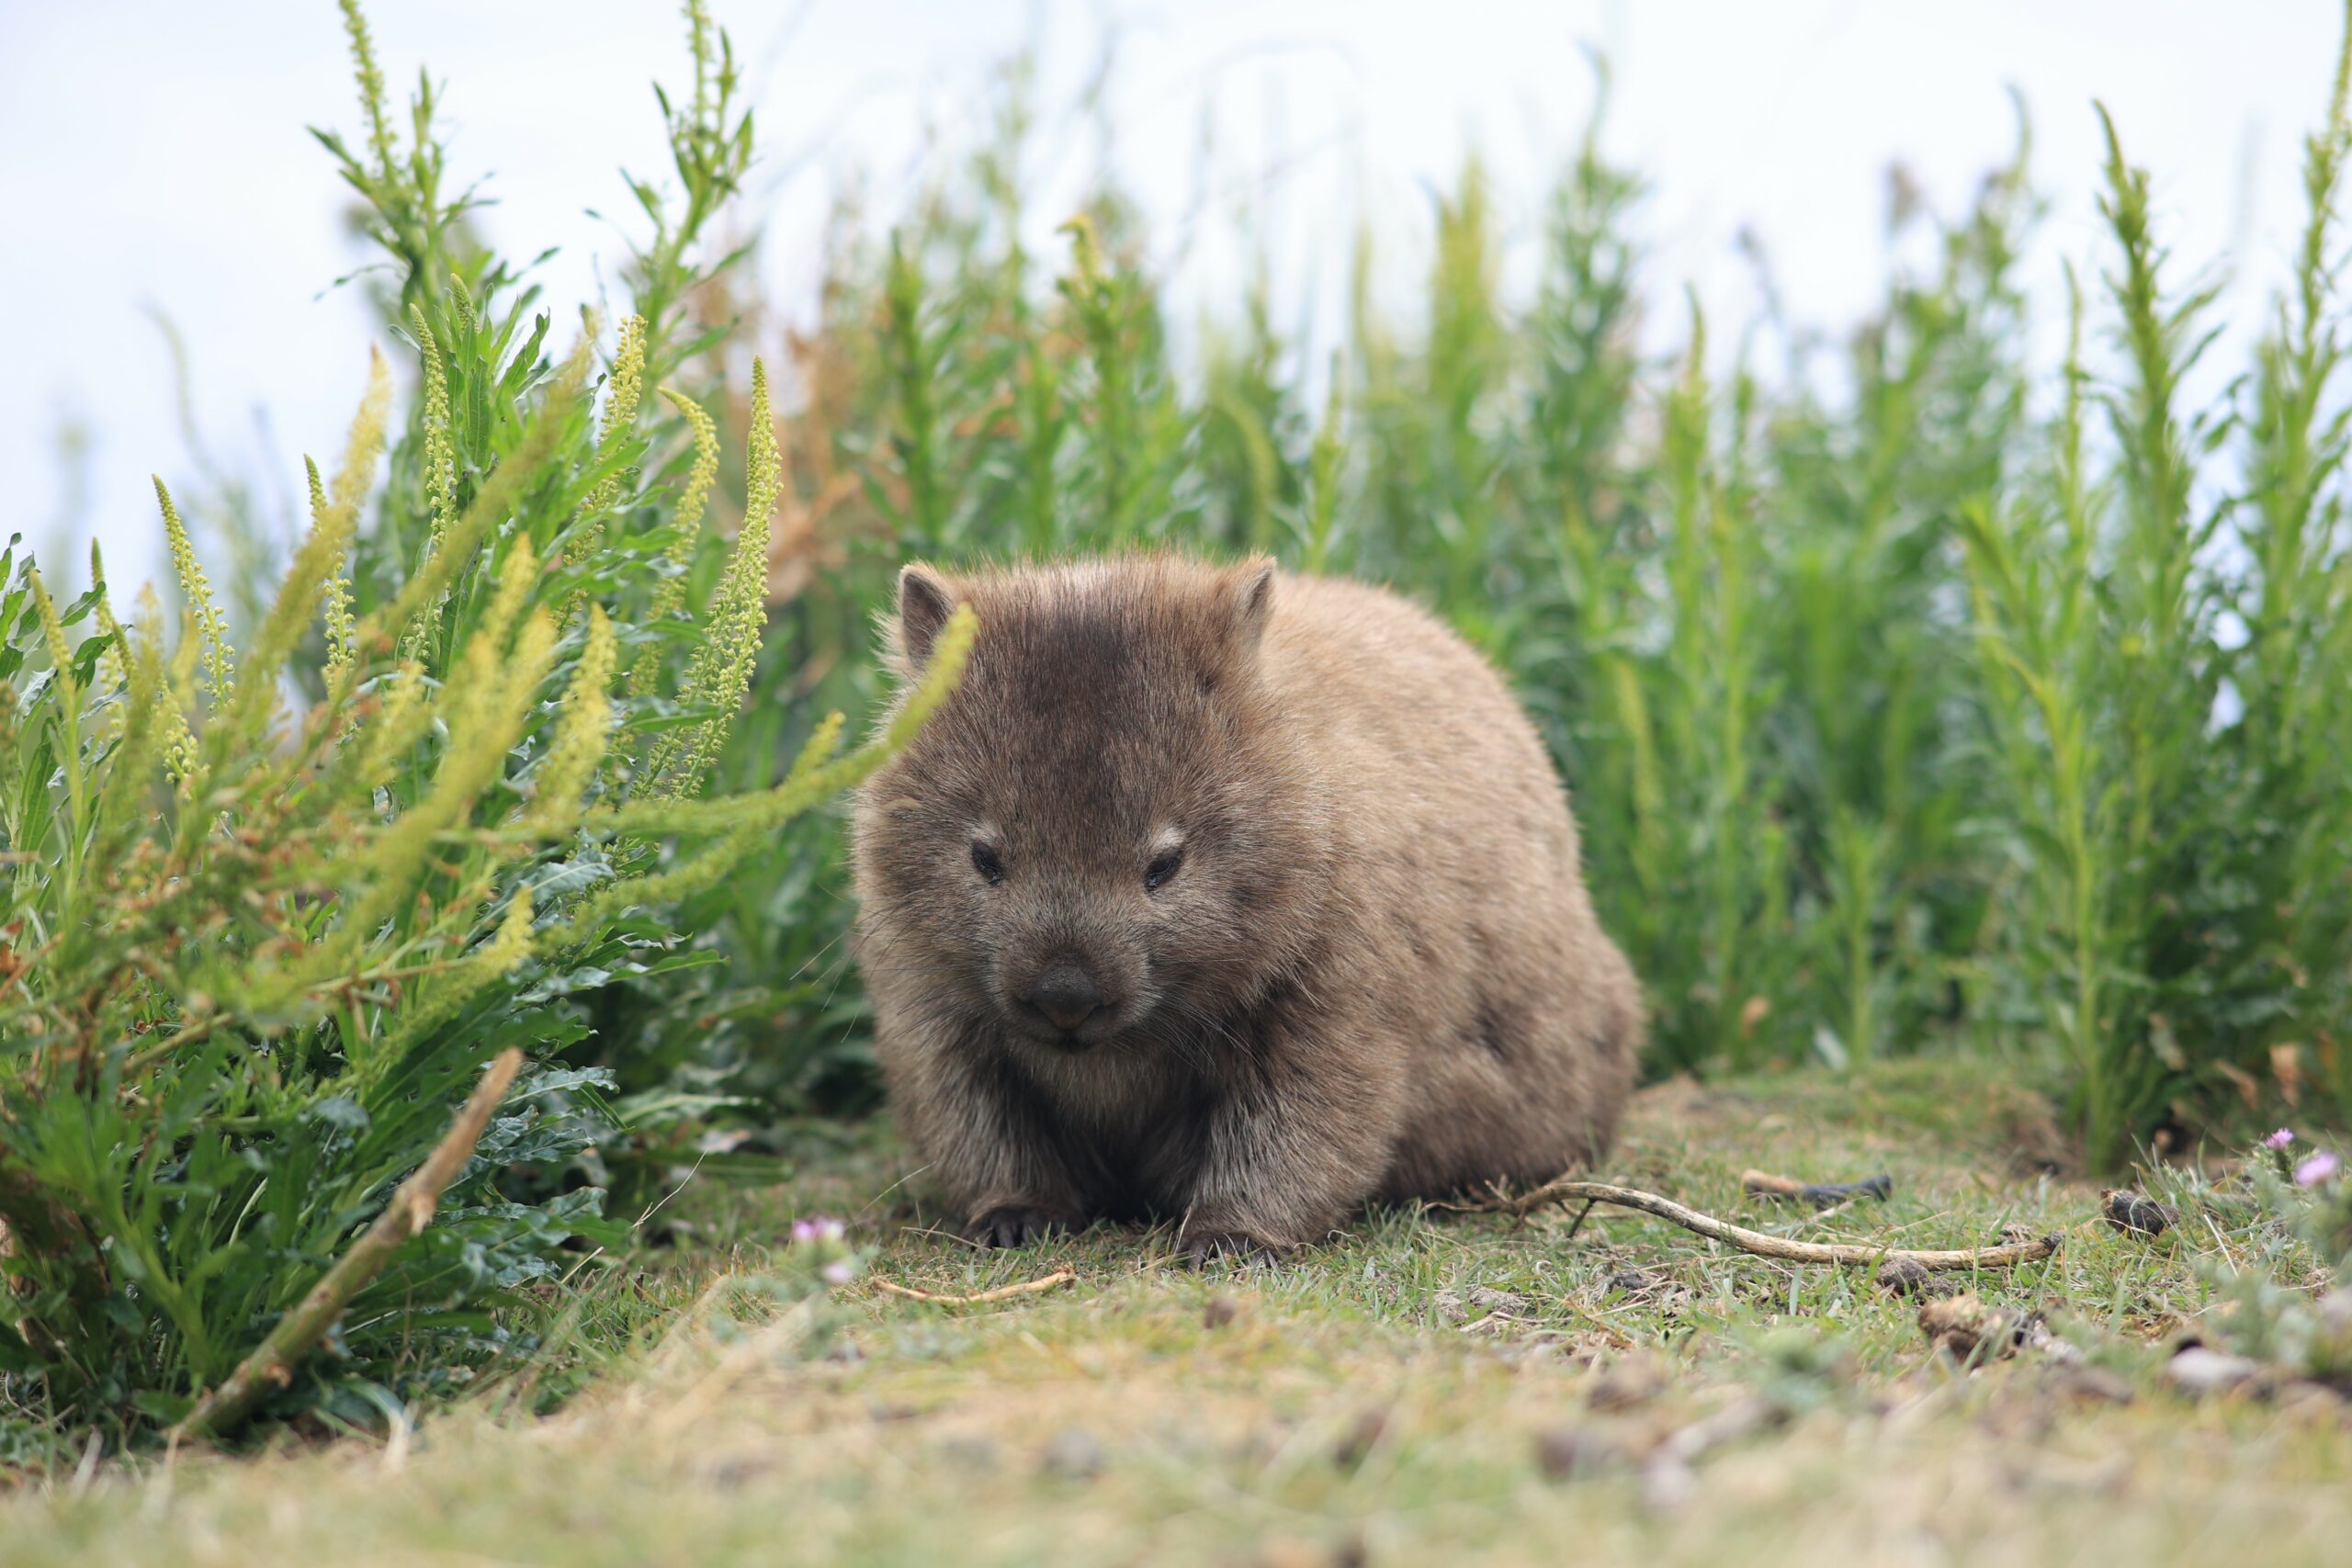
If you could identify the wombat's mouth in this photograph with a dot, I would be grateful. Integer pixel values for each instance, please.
(1100, 1026)
(1068, 1042)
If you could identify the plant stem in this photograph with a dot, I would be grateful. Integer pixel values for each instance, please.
(411, 1210)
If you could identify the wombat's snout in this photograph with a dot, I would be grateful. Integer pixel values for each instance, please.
(1065, 995)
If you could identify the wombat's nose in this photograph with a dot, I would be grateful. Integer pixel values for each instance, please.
(1066, 994)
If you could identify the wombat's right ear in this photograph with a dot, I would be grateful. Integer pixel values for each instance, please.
(1251, 589)
(925, 601)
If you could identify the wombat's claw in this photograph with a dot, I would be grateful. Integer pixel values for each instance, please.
(1201, 1247)
(1016, 1225)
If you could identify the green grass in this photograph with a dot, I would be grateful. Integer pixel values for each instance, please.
(1368, 1397)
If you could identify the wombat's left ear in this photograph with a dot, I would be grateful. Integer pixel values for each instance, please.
(925, 601)
(1251, 587)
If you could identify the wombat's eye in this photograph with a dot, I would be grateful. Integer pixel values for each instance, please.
(984, 860)
(1162, 867)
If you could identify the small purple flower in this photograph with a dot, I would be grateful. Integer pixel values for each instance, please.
(837, 1273)
(803, 1232)
(2316, 1169)
(817, 1229)
(2281, 1139)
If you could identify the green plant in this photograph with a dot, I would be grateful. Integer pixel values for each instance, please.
(2182, 862)
(253, 950)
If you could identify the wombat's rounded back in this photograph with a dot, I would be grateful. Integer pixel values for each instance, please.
(1461, 864)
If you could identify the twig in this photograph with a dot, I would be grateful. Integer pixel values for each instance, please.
(1757, 1242)
(1002, 1293)
(1820, 1194)
(409, 1211)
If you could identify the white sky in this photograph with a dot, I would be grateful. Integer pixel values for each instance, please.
(156, 157)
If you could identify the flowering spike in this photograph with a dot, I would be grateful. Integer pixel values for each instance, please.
(211, 626)
(620, 417)
(337, 612)
(440, 458)
(492, 960)
(491, 505)
(822, 742)
(579, 743)
(950, 650)
(396, 727)
(722, 668)
(53, 632)
(114, 669)
(371, 87)
(178, 694)
(669, 593)
(317, 569)
(513, 943)
(699, 478)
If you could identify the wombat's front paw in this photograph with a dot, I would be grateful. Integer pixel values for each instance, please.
(1200, 1248)
(1018, 1225)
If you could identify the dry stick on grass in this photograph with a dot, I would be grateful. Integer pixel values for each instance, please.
(409, 1211)
(1002, 1293)
(1568, 1191)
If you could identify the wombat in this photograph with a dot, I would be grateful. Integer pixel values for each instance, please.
(1228, 896)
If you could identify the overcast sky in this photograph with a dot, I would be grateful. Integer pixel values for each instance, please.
(156, 158)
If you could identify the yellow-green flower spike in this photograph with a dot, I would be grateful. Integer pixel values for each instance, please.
(698, 31)
(371, 87)
(440, 463)
(622, 391)
(485, 710)
(822, 742)
(579, 743)
(492, 960)
(722, 668)
(318, 564)
(669, 593)
(386, 740)
(440, 457)
(114, 668)
(178, 696)
(337, 611)
(745, 819)
(489, 506)
(485, 654)
(53, 633)
(211, 626)
(620, 413)
(699, 478)
(513, 943)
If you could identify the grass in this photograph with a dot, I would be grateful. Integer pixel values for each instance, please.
(1387, 1397)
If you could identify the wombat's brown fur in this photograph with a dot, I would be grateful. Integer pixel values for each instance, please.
(1229, 896)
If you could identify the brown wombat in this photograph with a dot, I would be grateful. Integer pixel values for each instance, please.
(1226, 895)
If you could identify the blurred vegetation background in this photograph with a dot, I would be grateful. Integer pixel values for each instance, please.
(1913, 699)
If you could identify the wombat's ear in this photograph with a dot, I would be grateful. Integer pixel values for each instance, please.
(925, 601)
(1251, 587)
